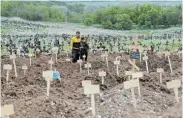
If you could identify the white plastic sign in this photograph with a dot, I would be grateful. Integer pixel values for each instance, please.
(92, 89)
(7, 110)
(7, 67)
(102, 73)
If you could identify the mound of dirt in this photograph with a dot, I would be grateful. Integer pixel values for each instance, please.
(28, 93)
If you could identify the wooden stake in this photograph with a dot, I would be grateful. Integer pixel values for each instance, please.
(117, 63)
(160, 70)
(7, 76)
(102, 74)
(146, 58)
(133, 97)
(170, 64)
(15, 67)
(92, 90)
(80, 64)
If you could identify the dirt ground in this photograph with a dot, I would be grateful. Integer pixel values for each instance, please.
(28, 93)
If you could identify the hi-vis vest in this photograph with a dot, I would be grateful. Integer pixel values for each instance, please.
(75, 43)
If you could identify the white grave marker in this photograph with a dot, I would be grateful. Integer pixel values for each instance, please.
(30, 56)
(117, 63)
(68, 59)
(137, 75)
(13, 57)
(179, 53)
(51, 63)
(175, 84)
(145, 58)
(128, 73)
(92, 90)
(24, 67)
(160, 71)
(80, 64)
(131, 84)
(88, 65)
(86, 83)
(7, 110)
(7, 67)
(102, 74)
(48, 75)
(84, 56)
(55, 51)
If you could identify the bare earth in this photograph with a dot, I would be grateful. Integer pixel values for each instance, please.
(66, 100)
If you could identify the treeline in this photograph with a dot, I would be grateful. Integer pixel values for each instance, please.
(143, 17)
(30, 11)
(116, 17)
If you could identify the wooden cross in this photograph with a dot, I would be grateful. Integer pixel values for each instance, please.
(92, 90)
(160, 71)
(174, 84)
(134, 66)
(102, 74)
(7, 67)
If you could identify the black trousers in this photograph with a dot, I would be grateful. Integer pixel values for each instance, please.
(75, 55)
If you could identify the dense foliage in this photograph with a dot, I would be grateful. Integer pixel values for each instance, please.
(145, 16)
(115, 17)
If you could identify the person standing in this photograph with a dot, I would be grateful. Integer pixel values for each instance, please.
(75, 47)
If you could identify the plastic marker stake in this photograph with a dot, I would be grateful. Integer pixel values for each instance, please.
(88, 65)
(137, 75)
(24, 67)
(102, 74)
(7, 110)
(14, 64)
(30, 55)
(160, 71)
(48, 75)
(7, 67)
(92, 90)
(131, 84)
(145, 58)
(117, 63)
(174, 84)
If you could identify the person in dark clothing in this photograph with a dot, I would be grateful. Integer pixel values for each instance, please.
(83, 48)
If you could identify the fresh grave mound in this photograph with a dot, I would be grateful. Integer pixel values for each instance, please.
(28, 93)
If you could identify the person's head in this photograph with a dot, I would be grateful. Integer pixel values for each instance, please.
(78, 34)
(82, 38)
